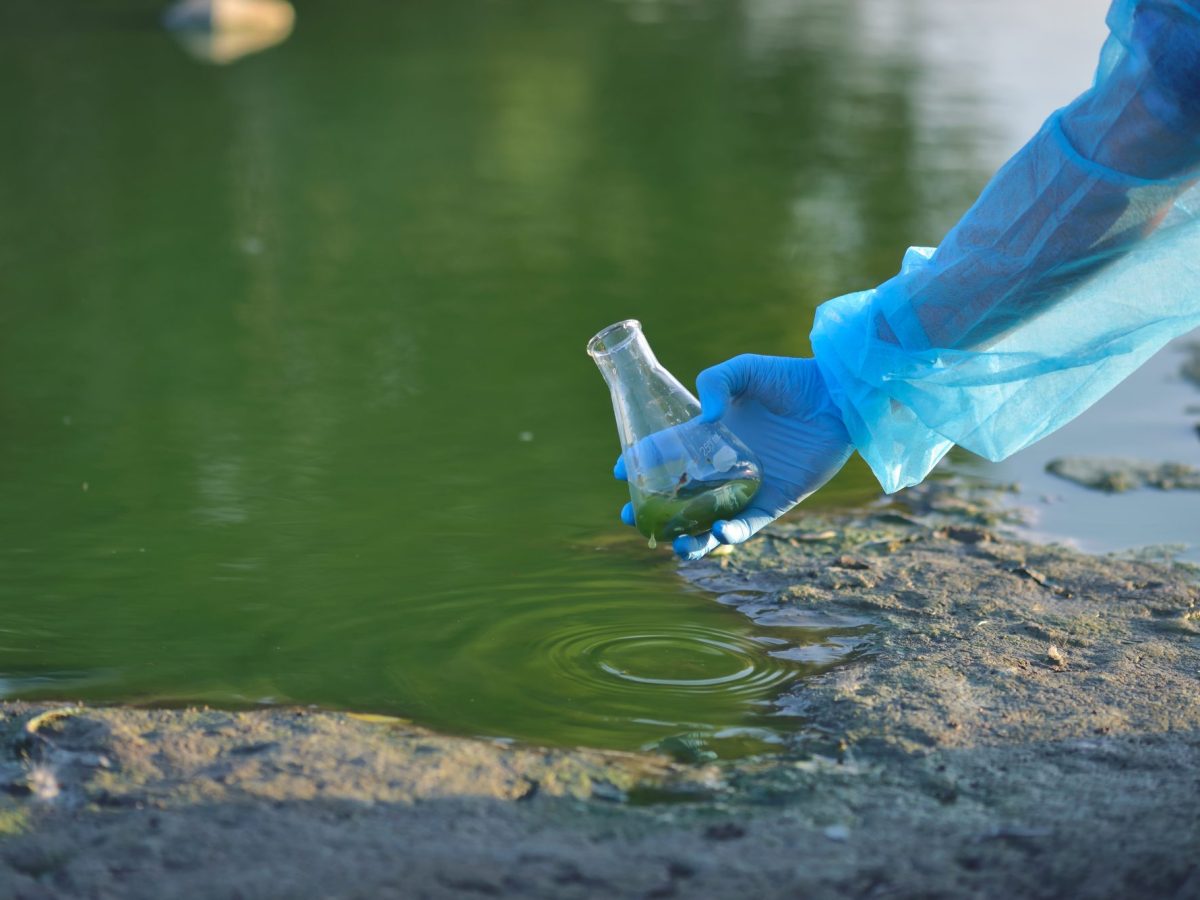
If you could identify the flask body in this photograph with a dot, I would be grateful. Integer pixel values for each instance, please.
(683, 474)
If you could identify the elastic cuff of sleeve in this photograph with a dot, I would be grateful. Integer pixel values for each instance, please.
(853, 359)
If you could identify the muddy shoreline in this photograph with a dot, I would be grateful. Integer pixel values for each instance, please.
(1024, 720)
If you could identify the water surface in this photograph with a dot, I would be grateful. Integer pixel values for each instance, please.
(293, 399)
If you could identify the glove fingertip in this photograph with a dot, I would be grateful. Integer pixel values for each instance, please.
(713, 392)
(691, 548)
(748, 523)
(619, 472)
(731, 531)
(628, 516)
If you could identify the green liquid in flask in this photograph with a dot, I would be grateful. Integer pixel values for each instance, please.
(690, 507)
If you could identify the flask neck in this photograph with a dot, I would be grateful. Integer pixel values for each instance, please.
(646, 397)
(623, 355)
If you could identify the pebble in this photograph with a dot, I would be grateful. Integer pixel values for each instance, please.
(609, 793)
(827, 535)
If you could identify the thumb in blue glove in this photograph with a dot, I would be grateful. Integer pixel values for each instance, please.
(781, 409)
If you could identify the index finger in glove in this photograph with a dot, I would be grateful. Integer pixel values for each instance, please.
(743, 526)
(768, 504)
(719, 384)
(692, 547)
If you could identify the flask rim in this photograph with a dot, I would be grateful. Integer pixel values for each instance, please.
(596, 346)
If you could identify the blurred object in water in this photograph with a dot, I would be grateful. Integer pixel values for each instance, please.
(223, 31)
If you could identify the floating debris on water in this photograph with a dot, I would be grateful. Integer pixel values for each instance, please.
(223, 31)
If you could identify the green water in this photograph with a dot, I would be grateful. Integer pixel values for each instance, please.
(293, 401)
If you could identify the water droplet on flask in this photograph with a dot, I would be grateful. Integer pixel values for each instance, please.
(652, 542)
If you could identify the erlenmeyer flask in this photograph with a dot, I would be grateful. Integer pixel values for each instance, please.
(684, 474)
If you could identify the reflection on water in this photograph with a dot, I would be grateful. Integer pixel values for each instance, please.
(308, 328)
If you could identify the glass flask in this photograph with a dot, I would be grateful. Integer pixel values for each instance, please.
(684, 474)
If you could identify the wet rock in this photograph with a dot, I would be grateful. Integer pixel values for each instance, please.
(1190, 369)
(687, 748)
(1031, 574)
(814, 536)
(837, 833)
(969, 534)
(1115, 476)
(836, 579)
(846, 561)
(678, 868)
(251, 749)
(725, 831)
(39, 859)
(610, 793)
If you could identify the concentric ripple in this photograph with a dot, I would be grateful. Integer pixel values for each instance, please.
(593, 655)
(683, 658)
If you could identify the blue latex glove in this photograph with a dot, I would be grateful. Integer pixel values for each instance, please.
(780, 408)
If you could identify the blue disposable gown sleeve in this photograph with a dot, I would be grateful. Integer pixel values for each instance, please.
(1080, 259)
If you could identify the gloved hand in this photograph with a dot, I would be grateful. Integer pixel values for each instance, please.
(781, 409)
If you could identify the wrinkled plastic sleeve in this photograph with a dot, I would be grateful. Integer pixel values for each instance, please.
(1080, 259)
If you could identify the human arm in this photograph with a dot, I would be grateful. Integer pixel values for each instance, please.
(1078, 261)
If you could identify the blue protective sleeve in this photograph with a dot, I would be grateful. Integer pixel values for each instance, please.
(1080, 259)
